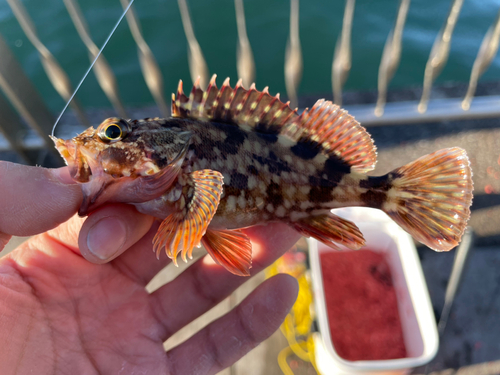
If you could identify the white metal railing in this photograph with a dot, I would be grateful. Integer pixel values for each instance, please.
(31, 108)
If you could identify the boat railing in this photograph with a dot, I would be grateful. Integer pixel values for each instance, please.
(26, 120)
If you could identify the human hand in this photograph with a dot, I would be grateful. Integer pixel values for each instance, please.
(60, 313)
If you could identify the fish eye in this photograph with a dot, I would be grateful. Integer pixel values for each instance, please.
(113, 130)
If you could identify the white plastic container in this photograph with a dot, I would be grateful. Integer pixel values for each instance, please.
(414, 305)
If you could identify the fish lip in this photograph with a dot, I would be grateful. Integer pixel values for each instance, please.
(89, 202)
(66, 148)
(93, 195)
(75, 159)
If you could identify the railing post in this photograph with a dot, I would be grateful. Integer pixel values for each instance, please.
(150, 69)
(25, 99)
(197, 65)
(391, 56)
(487, 51)
(439, 53)
(245, 64)
(293, 56)
(342, 57)
(102, 70)
(55, 73)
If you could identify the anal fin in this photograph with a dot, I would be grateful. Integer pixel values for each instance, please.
(231, 249)
(331, 230)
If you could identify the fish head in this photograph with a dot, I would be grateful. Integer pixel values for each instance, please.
(124, 161)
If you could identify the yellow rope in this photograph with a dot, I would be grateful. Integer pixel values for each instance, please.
(283, 363)
(297, 325)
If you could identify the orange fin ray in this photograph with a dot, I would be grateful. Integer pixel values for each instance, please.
(332, 230)
(431, 197)
(331, 128)
(231, 249)
(180, 232)
(239, 106)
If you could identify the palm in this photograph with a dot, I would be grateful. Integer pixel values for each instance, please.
(92, 315)
(108, 320)
(91, 318)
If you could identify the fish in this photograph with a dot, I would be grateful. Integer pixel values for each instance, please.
(232, 158)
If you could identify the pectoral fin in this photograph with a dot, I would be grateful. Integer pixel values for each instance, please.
(332, 230)
(183, 230)
(231, 249)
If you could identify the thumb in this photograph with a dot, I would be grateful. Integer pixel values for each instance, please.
(34, 199)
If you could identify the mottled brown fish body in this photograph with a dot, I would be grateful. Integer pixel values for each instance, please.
(233, 158)
(268, 176)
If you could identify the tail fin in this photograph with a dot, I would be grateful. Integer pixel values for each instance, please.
(430, 198)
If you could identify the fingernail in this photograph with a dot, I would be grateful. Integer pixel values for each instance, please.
(106, 237)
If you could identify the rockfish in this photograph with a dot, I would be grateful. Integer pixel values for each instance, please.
(233, 158)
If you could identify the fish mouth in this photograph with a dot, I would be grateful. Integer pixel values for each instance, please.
(93, 187)
(95, 194)
(99, 187)
(66, 148)
(79, 169)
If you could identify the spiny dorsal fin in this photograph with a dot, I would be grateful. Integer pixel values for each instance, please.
(325, 125)
(240, 106)
(331, 128)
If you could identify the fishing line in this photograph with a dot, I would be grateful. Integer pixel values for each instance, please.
(92, 65)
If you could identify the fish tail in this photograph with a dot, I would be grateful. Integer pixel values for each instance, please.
(431, 197)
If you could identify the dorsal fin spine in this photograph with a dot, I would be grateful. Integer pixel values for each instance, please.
(215, 103)
(227, 103)
(279, 112)
(175, 107)
(285, 120)
(180, 92)
(266, 112)
(202, 103)
(243, 100)
(252, 104)
(227, 106)
(222, 100)
(247, 108)
(196, 83)
(247, 95)
(212, 88)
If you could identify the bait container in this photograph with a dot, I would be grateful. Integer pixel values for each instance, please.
(420, 333)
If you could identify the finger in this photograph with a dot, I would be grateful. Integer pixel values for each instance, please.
(110, 231)
(4, 240)
(35, 199)
(140, 262)
(229, 338)
(205, 284)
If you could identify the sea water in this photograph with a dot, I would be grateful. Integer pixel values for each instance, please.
(268, 28)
